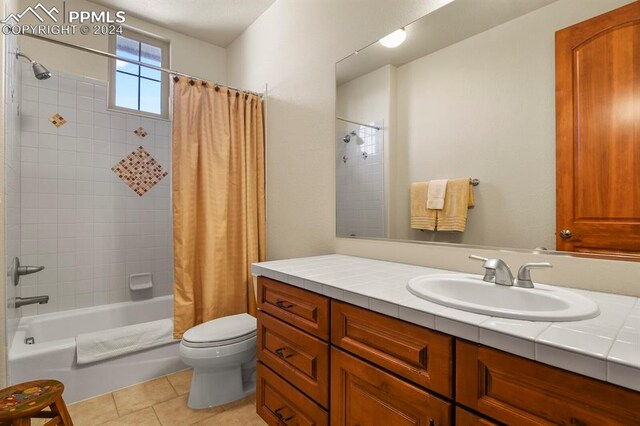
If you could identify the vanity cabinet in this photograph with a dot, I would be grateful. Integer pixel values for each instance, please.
(293, 355)
(515, 390)
(323, 361)
(362, 394)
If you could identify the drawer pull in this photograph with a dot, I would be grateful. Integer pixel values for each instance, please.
(431, 422)
(281, 416)
(284, 305)
(281, 354)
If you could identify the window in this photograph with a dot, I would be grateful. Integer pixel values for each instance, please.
(135, 88)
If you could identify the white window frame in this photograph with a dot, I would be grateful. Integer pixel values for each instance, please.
(164, 81)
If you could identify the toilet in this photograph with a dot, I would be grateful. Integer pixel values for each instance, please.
(222, 353)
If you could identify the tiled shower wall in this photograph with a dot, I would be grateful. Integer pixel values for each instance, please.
(78, 218)
(12, 173)
(360, 204)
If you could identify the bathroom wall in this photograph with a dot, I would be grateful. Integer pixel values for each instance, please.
(293, 46)
(79, 219)
(189, 55)
(10, 78)
(13, 89)
(301, 134)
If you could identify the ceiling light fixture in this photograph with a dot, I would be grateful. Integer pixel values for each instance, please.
(394, 39)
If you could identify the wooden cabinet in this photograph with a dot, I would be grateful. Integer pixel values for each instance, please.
(300, 358)
(362, 394)
(277, 402)
(300, 308)
(467, 418)
(378, 370)
(293, 358)
(515, 390)
(413, 352)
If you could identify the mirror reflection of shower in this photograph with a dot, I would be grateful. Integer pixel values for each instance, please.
(360, 184)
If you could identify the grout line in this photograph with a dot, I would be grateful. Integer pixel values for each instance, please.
(113, 398)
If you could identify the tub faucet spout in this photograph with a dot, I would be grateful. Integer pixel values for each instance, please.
(22, 301)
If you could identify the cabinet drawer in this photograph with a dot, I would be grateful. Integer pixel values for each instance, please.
(304, 309)
(515, 390)
(301, 359)
(467, 418)
(278, 403)
(423, 356)
(362, 394)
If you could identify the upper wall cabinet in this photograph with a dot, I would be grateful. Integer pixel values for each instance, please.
(471, 94)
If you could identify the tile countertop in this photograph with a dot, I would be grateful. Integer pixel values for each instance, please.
(606, 347)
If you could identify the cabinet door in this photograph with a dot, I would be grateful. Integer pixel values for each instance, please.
(301, 308)
(518, 391)
(467, 418)
(422, 356)
(363, 395)
(278, 403)
(297, 356)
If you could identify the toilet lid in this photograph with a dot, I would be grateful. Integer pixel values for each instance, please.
(225, 330)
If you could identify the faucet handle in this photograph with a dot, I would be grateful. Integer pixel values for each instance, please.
(489, 273)
(524, 273)
(474, 257)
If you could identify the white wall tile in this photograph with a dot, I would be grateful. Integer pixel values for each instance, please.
(78, 218)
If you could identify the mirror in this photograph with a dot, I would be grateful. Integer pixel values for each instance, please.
(470, 93)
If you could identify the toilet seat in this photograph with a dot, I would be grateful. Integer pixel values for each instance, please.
(221, 332)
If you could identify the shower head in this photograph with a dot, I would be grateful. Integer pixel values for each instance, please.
(347, 137)
(39, 70)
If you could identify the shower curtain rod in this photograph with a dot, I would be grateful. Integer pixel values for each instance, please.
(131, 61)
(355, 122)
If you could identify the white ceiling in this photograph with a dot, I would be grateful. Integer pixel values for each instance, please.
(458, 20)
(215, 21)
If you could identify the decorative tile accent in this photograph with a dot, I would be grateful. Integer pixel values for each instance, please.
(57, 120)
(140, 171)
(140, 132)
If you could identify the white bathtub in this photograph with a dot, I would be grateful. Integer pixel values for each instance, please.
(53, 356)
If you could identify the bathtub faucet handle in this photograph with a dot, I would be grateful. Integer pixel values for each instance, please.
(17, 271)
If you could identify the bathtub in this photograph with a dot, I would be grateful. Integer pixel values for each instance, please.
(53, 355)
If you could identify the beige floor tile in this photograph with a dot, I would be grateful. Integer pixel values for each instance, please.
(145, 417)
(181, 381)
(143, 395)
(176, 413)
(242, 413)
(93, 411)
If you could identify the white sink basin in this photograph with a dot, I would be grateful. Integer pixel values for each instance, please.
(469, 293)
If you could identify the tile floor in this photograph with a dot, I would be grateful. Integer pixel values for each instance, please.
(160, 402)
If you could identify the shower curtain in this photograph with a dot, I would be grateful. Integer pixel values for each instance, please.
(218, 201)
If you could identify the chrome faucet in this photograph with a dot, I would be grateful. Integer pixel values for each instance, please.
(496, 270)
(524, 274)
(23, 301)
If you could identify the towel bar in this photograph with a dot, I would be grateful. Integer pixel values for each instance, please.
(474, 182)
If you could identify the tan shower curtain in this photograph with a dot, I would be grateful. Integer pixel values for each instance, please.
(218, 201)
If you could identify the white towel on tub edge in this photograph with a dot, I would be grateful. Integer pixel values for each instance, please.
(110, 343)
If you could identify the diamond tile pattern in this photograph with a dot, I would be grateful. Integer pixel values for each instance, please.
(140, 171)
(57, 120)
(140, 132)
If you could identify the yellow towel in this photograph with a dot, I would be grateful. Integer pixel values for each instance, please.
(457, 201)
(421, 217)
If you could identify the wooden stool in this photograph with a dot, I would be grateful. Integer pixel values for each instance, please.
(20, 403)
